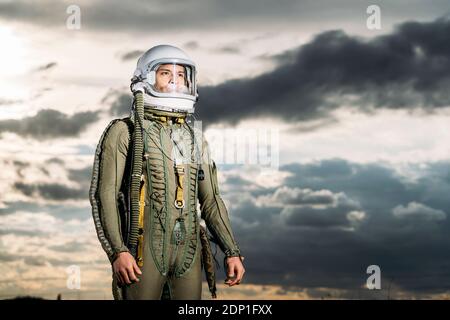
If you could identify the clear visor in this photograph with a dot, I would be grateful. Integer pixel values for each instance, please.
(172, 78)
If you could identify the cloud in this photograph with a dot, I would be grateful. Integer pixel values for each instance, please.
(55, 160)
(52, 191)
(419, 211)
(320, 228)
(230, 49)
(191, 45)
(82, 176)
(5, 102)
(20, 165)
(49, 124)
(293, 232)
(155, 16)
(12, 207)
(199, 15)
(296, 196)
(47, 66)
(405, 69)
(296, 207)
(65, 212)
(121, 105)
(321, 209)
(45, 181)
(318, 218)
(131, 55)
(328, 220)
(36, 257)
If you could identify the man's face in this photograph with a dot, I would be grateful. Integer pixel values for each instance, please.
(170, 78)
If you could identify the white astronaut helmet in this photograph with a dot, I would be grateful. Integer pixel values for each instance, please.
(168, 78)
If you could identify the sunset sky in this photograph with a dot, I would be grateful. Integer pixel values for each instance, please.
(362, 117)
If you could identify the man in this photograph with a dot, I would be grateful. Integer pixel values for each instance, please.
(150, 170)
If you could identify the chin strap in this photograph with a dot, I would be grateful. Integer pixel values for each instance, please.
(165, 119)
(164, 116)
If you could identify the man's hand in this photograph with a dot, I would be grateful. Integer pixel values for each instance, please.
(125, 267)
(235, 271)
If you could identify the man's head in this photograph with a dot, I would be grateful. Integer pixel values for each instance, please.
(171, 78)
(167, 77)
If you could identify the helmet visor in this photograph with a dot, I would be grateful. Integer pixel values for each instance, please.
(172, 79)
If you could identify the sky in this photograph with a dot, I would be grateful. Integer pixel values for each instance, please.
(356, 118)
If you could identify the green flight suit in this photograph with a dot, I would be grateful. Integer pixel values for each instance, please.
(172, 248)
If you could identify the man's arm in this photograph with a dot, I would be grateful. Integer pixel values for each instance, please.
(112, 154)
(113, 159)
(213, 209)
(215, 214)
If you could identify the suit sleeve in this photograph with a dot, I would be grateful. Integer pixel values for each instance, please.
(112, 168)
(213, 209)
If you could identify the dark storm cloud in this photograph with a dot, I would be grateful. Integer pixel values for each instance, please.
(51, 191)
(82, 176)
(55, 191)
(237, 182)
(191, 15)
(49, 124)
(26, 189)
(288, 196)
(326, 217)
(409, 68)
(131, 55)
(20, 165)
(405, 230)
(160, 15)
(121, 102)
(55, 160)
(47, 66)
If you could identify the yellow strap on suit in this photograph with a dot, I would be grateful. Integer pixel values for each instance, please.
(140, 249)
(179, 201)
